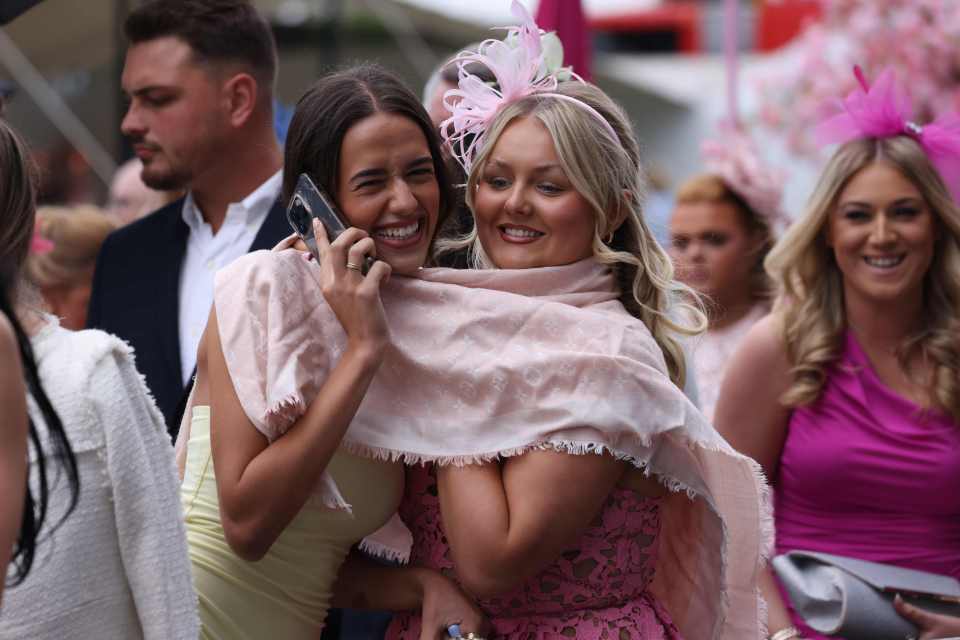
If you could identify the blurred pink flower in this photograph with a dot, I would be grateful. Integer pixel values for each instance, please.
(918, 39)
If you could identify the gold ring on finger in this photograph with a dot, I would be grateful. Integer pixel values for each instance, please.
(354, 266)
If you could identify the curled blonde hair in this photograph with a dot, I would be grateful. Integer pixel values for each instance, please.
(809, 284)
(77, 234)
(609, 175)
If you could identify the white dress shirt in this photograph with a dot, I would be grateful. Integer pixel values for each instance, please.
(207, 252)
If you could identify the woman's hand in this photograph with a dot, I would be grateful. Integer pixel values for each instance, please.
(445, 604)
(292, 241)
(932, 625)
(353, 297)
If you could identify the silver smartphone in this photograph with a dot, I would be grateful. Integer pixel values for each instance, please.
(309, 202)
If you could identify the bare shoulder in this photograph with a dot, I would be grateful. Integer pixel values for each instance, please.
(764, 344)
(760, 365)
(12, 390)
(749, 412)
(9, 350)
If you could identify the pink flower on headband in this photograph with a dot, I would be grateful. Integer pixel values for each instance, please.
(40, 245)
(515, 62)
(525, 63)
(734, 158)
(884, 111)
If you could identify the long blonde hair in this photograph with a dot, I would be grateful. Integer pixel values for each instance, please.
(609, 175)
(809, 284)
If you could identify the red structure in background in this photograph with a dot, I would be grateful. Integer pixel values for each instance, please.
(567, 19)
(777, 22)
(684, 18)
(780, 22)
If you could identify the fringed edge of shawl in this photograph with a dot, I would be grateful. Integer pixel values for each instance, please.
(767, 538)
(280, 415)
(383, 551)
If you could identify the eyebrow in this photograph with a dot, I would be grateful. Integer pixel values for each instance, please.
(541, 168)
(900, 201)
(377, 172)
(368, 173)
(154, 87)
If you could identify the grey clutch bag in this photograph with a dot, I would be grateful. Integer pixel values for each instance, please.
(853, 598)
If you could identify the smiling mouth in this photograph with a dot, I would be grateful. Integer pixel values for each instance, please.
(400, 235)
(884, 262)
(518, 234)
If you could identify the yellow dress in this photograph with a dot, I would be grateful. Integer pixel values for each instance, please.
(286, 594)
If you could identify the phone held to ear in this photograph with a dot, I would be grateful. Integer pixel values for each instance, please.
(309, 202)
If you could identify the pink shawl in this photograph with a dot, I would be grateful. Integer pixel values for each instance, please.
(494, 363)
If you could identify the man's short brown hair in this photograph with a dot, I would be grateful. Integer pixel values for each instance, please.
(215, 30)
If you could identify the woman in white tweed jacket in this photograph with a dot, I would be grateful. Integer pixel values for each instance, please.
(117, 567)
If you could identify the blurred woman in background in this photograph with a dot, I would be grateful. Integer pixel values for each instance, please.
(64, 272)
(721, 231)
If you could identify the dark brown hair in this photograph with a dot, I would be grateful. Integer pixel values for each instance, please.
(215, 30)
(334, 104)
(18, 193)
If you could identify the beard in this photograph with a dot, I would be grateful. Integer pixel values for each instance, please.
(166, 179)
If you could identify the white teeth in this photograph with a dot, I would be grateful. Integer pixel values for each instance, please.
(883, 263)
(399, 233)
(514, 232)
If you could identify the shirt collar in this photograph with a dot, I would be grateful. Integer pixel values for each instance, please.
(254, 206)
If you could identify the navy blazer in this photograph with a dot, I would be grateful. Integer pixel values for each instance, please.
(136, 289)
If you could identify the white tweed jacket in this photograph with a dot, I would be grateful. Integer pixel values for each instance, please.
(117, 567)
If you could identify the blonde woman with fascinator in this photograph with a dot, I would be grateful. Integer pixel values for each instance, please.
(720, 233)
(848, 394)
(554, 544)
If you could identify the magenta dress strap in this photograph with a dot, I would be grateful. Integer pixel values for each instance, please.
(867, 473)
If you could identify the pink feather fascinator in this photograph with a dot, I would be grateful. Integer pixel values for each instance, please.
(884, 110)
(526, 62)
(735, 159)
(40, 244)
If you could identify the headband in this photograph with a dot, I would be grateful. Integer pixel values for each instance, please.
(884, 111)
(526, 62)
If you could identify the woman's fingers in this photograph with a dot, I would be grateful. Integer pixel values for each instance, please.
(320, 235)
(378, 274)
(333, 255)
(914, 614)
(932, 625)
(288, 242)
(357, 254)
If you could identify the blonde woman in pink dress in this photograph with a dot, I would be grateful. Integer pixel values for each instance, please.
(546, 393)
(848, 394)
(558, 545)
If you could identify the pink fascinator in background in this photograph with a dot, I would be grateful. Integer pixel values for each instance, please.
(526, 62)
(883, 111)
(39, 244)
(735, 159)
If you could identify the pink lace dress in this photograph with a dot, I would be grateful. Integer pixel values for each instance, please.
(595, 591)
